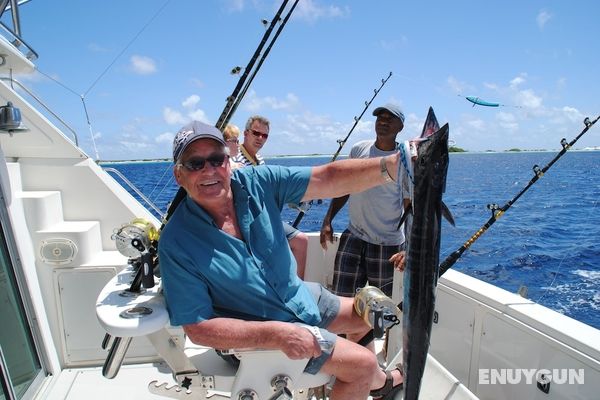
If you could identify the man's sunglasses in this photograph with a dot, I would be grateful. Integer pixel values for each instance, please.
(259, 134)
(197, 163)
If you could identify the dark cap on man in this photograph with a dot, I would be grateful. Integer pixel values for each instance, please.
(190, 133)
(392, 109)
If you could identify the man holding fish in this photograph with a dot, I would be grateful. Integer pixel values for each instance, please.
(372, 245)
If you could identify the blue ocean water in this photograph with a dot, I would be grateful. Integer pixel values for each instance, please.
(548, 241)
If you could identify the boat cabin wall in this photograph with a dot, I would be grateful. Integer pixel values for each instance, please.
(63, 209)
(38, 137)
(481, 329)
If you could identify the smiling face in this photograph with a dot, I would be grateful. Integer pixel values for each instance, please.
(211, 185)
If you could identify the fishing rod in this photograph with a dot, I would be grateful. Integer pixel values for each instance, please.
(235, 98)
(342, 142)
(498, 211)
(304, 207)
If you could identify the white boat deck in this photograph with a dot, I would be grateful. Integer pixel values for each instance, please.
(88, 383)
(132, 383)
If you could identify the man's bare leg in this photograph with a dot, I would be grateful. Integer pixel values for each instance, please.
(356, 370)
(355, 367)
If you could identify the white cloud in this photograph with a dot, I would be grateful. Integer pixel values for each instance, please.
(518, 81)
(135, 146)
(190, 112)
(527, 98)
(507, 121)
(166, 137)
(572, 114)
(198, 115)
(289, 102)
(413, 125)
(253, 103)
(191, 101)
(143, 65)
(390, 45)
(173, 117)
(310, 10)
(234, 5)
(37, 77)
(316, 131)
(476, 124)
(542, 18)
(457, 86)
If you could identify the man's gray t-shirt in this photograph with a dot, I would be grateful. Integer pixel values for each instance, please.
(375, 213)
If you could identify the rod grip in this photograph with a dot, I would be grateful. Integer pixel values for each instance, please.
(147, 271)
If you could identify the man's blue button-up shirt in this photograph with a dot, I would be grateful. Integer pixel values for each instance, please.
(207, 273)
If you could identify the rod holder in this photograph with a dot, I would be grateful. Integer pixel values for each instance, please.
(115, 357)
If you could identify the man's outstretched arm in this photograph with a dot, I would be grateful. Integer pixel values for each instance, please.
(345, 177)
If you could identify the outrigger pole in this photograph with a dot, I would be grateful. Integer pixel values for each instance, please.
(236, 97)
(498, 211)
(260, 62)
(303, 207)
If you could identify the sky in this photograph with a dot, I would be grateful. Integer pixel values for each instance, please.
(146, 67)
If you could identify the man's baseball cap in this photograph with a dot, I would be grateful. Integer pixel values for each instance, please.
(190, 133)
(392, 109)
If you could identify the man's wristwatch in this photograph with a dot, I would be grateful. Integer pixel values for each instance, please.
(384, 171)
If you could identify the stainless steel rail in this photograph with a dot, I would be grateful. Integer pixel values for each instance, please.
(135, 189)
(15, 36)
(41, 103)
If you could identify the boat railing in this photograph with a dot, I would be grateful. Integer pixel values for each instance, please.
(41, 103)
(14, 37)
(135, 189)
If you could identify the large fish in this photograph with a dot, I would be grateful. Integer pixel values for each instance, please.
(423, 253)
(408, 148)
(408, 156)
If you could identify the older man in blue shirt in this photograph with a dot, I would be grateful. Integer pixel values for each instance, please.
(229, 277)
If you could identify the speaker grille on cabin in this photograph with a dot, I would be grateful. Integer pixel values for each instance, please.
(58, 251)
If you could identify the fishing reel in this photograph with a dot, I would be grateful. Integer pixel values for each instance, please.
(135, 237)
(376, 309)
(137, 241)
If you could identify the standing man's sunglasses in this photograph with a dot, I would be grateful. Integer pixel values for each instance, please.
(259, 134)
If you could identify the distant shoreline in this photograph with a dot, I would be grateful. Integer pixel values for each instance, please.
(148, 160)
